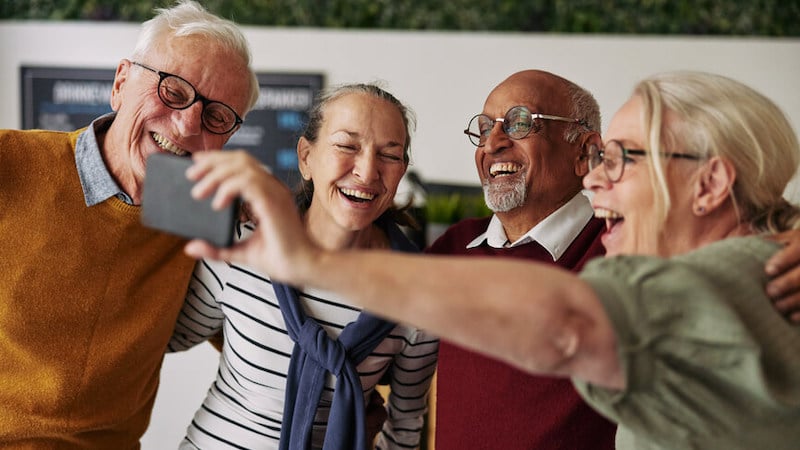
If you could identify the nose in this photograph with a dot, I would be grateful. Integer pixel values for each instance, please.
(365, 166)
(596, 179)
(497, 140)
(190, 120)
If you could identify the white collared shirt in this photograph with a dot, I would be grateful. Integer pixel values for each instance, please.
(555, 233)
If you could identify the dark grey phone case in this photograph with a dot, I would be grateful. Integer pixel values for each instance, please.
(167, 203)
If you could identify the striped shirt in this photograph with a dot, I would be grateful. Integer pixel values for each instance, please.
(244, 405)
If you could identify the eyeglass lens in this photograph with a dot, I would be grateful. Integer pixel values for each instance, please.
(517, 124)
(611, 157)
(178, 93)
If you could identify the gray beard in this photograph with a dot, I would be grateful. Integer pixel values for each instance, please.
(506, 195)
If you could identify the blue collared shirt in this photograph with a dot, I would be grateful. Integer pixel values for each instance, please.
(97, 182)
(555, 233)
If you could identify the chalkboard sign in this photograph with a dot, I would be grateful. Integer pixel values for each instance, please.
(65, 99)
(272, 127)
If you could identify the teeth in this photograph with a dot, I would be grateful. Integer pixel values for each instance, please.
(167, 145)
(357, 194)
(602, 213)
(504, 168)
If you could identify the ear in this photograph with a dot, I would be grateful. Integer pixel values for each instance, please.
(713, 185)
(303, 150)
(587, 142)
(119, 79)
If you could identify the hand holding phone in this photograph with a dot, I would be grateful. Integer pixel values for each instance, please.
(167, 203)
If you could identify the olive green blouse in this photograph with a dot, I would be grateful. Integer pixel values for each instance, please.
(709, 363)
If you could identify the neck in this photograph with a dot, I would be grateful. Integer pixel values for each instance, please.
(330, 236)
(717, 225)
(522, 219)
(118, 164)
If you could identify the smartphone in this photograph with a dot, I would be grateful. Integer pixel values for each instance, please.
(167, 204)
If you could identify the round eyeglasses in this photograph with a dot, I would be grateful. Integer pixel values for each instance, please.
(613, 156)
(177, 93)
(518, 123)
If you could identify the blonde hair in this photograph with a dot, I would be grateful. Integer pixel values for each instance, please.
(189, 18)
(719, 117)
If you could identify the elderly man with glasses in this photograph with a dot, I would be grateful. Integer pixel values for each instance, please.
(531, 143)
(88, 296)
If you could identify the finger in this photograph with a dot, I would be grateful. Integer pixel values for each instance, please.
(202, 173)
(200, 249)
(784, 284)
(786, 258)
(214, 169)
(788, 303)
(784, 237)
(238, 184)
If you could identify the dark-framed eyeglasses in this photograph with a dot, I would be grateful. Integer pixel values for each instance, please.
(518, 123)
(613, 156)
(177, 93)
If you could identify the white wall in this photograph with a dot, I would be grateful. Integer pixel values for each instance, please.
(445, 77)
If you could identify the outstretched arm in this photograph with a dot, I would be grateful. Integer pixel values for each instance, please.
(784, 289)
(539, 318)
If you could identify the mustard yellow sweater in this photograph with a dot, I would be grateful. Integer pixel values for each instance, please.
(88, 301)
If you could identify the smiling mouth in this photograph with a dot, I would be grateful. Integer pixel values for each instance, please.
(503, 169)
(356, 195)
(167, 145)
(612, 218)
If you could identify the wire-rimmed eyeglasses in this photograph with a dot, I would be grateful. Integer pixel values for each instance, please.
(613, 156)
(518, 123)
(177, 93)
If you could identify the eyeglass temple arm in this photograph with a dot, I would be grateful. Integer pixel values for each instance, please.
(469, 133)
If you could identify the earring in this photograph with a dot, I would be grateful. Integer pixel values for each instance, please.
(701, 210)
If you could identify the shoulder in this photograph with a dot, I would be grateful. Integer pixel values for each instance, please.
(43, 140)
(731, 254)
(38, 136)
(712, 288)
(728, 259)
(458, 235)
(33, 144)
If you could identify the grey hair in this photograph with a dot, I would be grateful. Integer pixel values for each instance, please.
(326, 96)
(721, 117)
(189, 18)
(584, 107)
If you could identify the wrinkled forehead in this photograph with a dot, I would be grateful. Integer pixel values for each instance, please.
(214, 70)
(365, 115)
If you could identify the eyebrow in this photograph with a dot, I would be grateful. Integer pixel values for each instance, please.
(355, 134)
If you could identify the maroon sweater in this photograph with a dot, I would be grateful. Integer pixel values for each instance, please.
(482, 403)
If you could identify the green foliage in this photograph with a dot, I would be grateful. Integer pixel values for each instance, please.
(440, 208)
(716, 17)
(115, 10)
(452, 207)
(474, 206)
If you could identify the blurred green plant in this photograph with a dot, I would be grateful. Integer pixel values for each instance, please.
(474, 206)
(712, 17)
(443, 208)
(452, 207)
